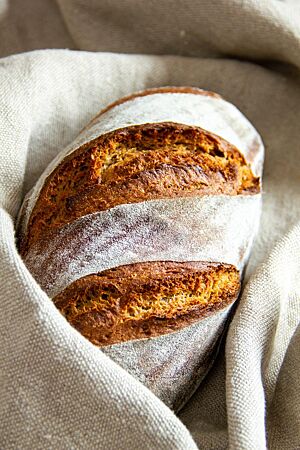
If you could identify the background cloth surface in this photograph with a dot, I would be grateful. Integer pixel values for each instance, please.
(56, 389)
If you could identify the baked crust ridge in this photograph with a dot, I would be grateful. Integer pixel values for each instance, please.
(138, 163)
(145, 300)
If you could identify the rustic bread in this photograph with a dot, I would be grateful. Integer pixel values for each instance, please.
(143, 226)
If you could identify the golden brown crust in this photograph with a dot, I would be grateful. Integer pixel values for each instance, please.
(135, 164)
(146, 299)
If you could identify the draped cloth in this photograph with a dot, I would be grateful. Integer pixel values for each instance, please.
(59, 391)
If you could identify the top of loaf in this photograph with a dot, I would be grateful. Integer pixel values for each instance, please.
(136, 164)
(157, 90)
(182, 105)
(187, 106)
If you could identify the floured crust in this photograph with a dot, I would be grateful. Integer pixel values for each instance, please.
(146, 299)
(204, 228)
(135, 164)
(160, 90)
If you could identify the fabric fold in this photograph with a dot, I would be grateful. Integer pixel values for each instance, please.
(58, 390)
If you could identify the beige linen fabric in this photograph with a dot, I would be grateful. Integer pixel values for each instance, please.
(58, 391)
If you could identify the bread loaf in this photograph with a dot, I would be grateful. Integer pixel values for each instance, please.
(143, 225)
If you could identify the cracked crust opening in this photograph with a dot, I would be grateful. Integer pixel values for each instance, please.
(135, 164)
(145, 300)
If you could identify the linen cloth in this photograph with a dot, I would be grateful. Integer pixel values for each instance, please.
(58, 391)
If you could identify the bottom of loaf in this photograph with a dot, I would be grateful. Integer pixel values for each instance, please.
(174, 365)
(146, 300)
